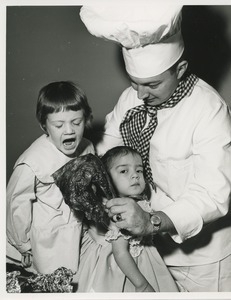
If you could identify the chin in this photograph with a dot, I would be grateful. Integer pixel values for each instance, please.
(70, 153)
(135, 191)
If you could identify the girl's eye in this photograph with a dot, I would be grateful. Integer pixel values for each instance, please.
(123, 171)
(140, 171)
(58, 126)
(77, 123)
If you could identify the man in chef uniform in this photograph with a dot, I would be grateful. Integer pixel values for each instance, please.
(182, 128)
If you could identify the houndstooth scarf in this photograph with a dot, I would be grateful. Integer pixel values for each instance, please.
(132, 125)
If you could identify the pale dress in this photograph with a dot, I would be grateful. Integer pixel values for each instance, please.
(99, 272)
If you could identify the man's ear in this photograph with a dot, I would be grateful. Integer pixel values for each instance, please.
(181, 68)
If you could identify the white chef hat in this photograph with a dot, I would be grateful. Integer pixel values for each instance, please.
(150, 34)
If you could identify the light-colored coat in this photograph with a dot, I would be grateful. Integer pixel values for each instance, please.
(37, 216)
(190, 157)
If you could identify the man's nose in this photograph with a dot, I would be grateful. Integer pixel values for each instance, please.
(142, 92)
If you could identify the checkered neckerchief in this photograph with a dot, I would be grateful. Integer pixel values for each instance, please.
(132, 125)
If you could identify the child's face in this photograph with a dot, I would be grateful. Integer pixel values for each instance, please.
(65, 129)
(127, 175)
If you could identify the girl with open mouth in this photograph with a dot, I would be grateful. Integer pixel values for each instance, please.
(42, 232)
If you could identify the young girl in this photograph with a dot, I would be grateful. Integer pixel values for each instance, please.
(42, 231)
(105, 264)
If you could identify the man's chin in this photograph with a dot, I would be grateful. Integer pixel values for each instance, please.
(153, 102)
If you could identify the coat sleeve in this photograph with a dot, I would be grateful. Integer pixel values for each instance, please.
(20, 194)
(207, 196)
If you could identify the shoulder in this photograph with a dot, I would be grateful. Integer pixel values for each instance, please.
(35, 149)
(43, 158)
(203, 101)
(85, 147)
(209, 109)
(129, 97)
(127, 100)
(207, 95)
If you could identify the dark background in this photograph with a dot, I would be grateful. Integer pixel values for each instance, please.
(50, 43)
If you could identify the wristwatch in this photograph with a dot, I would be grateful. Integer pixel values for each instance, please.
(156, 222)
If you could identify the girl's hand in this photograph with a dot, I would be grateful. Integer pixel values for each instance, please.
(145, 289)
(26, 259)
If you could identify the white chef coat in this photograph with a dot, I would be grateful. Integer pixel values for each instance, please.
(190, 157)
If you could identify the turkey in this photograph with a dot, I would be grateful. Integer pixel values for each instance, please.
(84, 182)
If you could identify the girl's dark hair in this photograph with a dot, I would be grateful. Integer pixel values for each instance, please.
(109, 157)
(62, 96)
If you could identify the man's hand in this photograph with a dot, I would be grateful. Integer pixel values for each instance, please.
(133, 217)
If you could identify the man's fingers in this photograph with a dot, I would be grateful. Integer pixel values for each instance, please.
(122, 224)
(116, 210)
(116, 202)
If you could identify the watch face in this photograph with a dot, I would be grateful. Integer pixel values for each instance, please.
(155, 220)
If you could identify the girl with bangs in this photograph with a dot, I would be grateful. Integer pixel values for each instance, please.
(43, 234)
